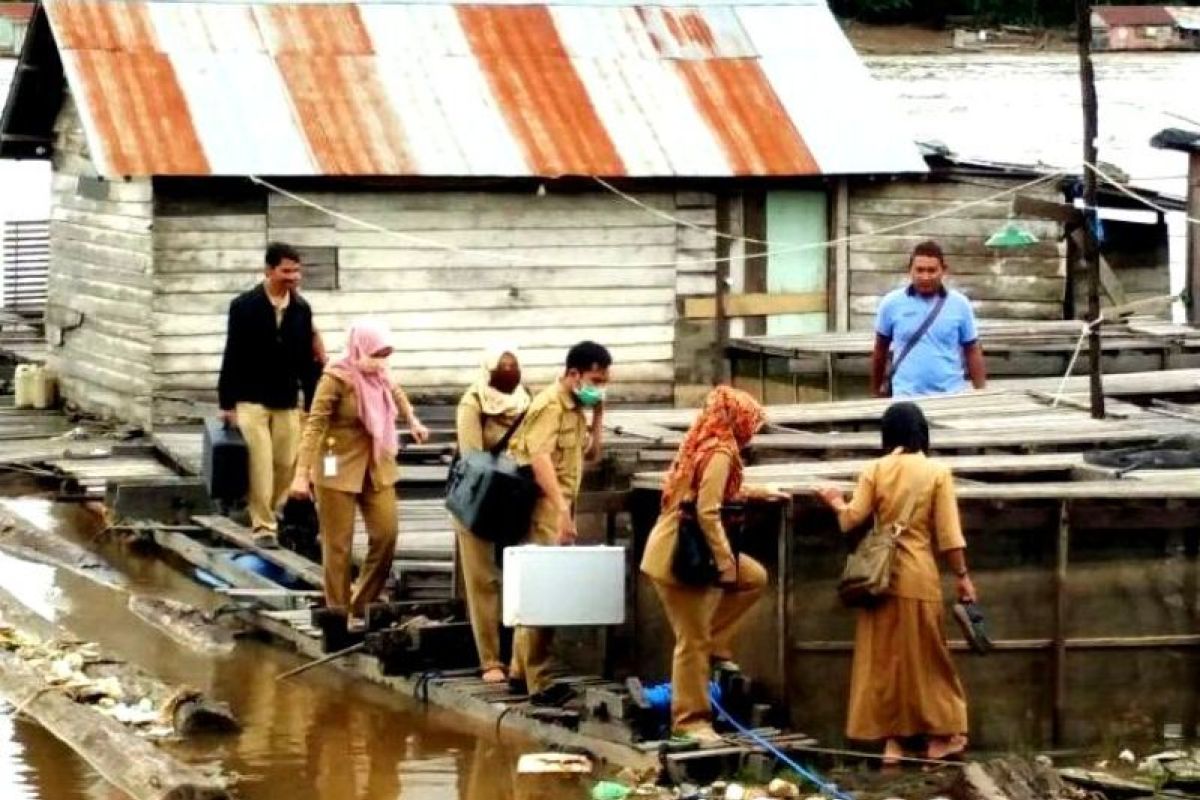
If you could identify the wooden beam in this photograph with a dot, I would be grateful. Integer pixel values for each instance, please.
(1026, 206)
(755, 305)
(1108, 278)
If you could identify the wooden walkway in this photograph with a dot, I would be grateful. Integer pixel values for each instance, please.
(80, 460)
(838, 364)
(424, 565)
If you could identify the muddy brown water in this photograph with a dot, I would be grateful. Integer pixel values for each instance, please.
(320, 736)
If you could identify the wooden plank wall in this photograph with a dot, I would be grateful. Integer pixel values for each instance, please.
(99, 287)
(575, 269)
(1025, 284)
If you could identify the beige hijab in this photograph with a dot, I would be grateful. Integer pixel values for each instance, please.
(495, 403)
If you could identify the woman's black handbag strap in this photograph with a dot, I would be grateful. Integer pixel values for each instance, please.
(504, 440)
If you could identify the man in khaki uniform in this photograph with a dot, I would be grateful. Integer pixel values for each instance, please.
(273, 355)
(552, 439)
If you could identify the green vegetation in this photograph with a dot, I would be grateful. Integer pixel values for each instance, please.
(1013, 12)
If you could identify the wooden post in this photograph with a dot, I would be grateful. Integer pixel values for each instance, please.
(1193, 240)
(1059, 657)
(782, 592)
(841, 256)
(721, 291)
(762, 378)
(1091, 250)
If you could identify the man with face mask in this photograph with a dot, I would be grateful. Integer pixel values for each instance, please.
(552, 440)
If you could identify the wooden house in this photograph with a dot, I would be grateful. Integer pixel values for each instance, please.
(960, 202)
(1188, 142)
(1135, 28)
(470, 173)
(14, 21)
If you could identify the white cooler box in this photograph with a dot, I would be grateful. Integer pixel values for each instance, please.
(561, 586)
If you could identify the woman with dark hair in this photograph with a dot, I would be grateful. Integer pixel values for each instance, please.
(903, 683)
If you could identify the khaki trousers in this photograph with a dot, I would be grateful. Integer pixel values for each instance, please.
(704, 621)
(481, 580)
(272, 441)
(336, 511)
(531, 646)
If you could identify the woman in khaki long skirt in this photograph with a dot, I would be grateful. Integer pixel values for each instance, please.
(708, 472)
(903, 683)
(349, 450)
(486, 412)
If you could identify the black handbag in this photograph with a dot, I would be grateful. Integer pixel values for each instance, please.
(490, 494)
(692, 560)
(299, 528)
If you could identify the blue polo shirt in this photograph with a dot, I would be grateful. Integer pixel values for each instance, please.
(935, 365)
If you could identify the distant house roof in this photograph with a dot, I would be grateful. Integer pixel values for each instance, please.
(17, 12)
(1125, 16)
(1176, 139)
(445, 89)
(1185, 17)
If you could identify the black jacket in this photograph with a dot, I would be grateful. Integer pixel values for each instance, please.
(265, 363)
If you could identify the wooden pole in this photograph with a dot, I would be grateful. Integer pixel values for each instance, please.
(1059, 694)
(1193, 240)
(1091, 249)
(783, 592)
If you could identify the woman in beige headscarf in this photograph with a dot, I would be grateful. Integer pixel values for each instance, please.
(487, 410)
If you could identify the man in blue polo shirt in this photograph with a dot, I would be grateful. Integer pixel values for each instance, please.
(945, 354)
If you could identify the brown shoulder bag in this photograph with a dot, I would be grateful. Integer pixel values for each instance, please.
(868, 572)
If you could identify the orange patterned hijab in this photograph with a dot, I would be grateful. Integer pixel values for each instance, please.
(726, 423)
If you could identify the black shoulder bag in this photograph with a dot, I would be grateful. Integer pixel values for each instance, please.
(692, 560)
(490, 494)
(886, 389)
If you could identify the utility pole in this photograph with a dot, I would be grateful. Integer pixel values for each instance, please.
(1091, 247)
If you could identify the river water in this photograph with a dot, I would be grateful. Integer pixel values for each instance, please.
(1026, 109)
(320, 736)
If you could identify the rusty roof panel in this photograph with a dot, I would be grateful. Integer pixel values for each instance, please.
(458, 89)
(1122, 16)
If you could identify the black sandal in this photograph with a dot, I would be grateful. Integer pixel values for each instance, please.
(970, 620)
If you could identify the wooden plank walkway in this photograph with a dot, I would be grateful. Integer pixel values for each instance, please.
(424, 563)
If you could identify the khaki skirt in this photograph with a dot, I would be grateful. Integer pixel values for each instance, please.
(903, 681)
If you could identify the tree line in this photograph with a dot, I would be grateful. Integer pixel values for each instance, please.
(936, 12)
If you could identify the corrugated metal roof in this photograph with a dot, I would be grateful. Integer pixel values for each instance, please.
(473, 89)
(1124, 16)
(17, 12)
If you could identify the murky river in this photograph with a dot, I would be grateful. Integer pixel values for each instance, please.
(320, 736)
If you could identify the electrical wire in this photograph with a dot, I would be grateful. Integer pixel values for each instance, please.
(827, 788)
(509, 258)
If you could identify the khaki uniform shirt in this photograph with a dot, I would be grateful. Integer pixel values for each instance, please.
(476, 430)
(709, 497)
(334, 428)
(882, 490)
(554, 426)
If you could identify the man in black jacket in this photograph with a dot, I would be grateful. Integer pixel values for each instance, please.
(271, 358)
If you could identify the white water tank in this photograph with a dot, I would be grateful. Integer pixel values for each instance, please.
(562, 586)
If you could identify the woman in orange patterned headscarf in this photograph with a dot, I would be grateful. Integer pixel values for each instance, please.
(706, 474)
